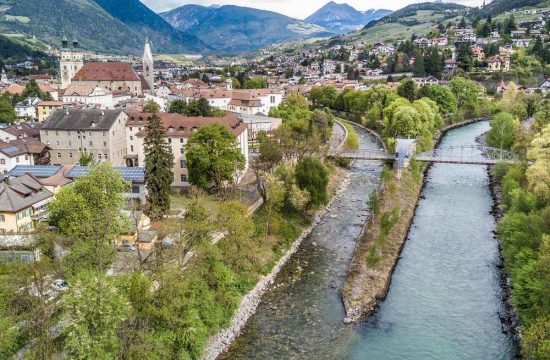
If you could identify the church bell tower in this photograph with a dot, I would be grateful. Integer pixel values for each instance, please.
(70, 62)
(148, 70)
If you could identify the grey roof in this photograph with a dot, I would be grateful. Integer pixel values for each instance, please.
(19, 193)
(81, 119)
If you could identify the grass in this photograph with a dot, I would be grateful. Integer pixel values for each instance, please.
(378, 249)
(352, 140)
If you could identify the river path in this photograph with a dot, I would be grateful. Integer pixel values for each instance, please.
(445, 298)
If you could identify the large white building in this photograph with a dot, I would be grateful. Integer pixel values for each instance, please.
(88, 94)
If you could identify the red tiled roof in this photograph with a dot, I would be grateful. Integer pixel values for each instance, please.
(183, 126)
(106, 71)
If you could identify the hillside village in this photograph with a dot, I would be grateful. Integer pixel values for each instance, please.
(272, 111)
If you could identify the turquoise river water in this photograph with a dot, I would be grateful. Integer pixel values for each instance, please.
(445, 298)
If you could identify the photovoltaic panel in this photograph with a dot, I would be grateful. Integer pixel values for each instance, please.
(40, 171)
(134, 174)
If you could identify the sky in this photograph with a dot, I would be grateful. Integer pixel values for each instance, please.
(295, 8)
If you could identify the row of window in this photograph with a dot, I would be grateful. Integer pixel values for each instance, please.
(23, 214)
(70, 143)
(90, 133)
(17, 159)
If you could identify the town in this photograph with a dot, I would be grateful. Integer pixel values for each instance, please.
(172, 192)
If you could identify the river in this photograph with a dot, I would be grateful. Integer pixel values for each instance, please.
(445, 298)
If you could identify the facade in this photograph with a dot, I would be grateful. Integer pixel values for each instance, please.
(26, 151)
(70, 62)
(26, 108)
(88, 94)
(499, 63)
(21, 199)
(70, 132)
(45, 108)
(19, 131)
(112, 76)
(257, 123)
(178, 129)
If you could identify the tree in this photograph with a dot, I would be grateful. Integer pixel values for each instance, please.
(536, 339)
(434, 63)
(407, 89)
(442, 95)
(503, 127)
(159, 161)
(93, 309)
(419, 68)
(465, 92)
(312, 175)
(205, 79)
(7, 112)
(255, 83)
(88, 213)
(86, 159)
(32, 89)
(213, 157)
(464, 57)
(178, 106)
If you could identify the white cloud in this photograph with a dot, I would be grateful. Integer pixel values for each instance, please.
(295, 8)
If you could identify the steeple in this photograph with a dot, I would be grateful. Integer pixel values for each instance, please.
(64, 42)
(148, 70)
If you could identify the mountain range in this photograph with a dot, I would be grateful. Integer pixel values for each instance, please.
(238, 29)
(113, 26)
(343, 18)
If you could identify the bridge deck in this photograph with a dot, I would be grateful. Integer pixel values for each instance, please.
(436, 159)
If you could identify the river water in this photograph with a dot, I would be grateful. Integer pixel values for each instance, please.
(445, 298)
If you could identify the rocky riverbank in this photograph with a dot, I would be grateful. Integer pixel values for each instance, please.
(221, 341)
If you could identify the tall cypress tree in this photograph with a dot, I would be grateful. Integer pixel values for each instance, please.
(158, 168)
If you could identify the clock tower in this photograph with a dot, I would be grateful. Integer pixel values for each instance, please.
(71, 60)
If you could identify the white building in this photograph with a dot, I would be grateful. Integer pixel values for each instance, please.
(27, 108)
(70, 62)
(88, 94)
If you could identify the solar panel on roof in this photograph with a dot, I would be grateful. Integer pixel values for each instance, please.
(11, 150)
(128, 173)
(40, 171)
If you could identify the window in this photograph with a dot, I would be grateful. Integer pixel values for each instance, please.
(59, 155)
(57, 133)
(91, 143)
(169, 140)
(135, 189)
(57, 142)
(182, 150)
(272, 99)
(105, 143)
(104, 133)
(26, 157)
(182, 164)
(3, 161)
(70, 155)
(17, 159)
(183, 178)
(132, 148)
(131, 138)
(181, 140)
(69, 143)
(139, 129)
(130, 128)
(46, 132)
(2, 217)
(89, 133)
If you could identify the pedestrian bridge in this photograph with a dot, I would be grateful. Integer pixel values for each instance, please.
(462, 154)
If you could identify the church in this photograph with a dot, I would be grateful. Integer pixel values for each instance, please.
(113, 76)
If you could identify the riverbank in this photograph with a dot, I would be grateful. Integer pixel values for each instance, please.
(220, 342)
(377, 250)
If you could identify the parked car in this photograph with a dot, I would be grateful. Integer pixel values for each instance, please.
(126, 247)
(59, 285)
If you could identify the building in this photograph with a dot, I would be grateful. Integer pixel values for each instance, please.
(70, 62)
(26, 109)
(88, 94)
(178, 129)
(499, 63)
(112, 76)
(22, 200)
(45, 108)
(26, 151)
(19, 131)
(257, 123)
(70, 132)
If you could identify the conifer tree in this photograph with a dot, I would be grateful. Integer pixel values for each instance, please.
(158, 167)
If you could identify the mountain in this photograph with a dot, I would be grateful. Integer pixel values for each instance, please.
(114, 26)
(236, 29)
(496, 7)
(342, 18)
